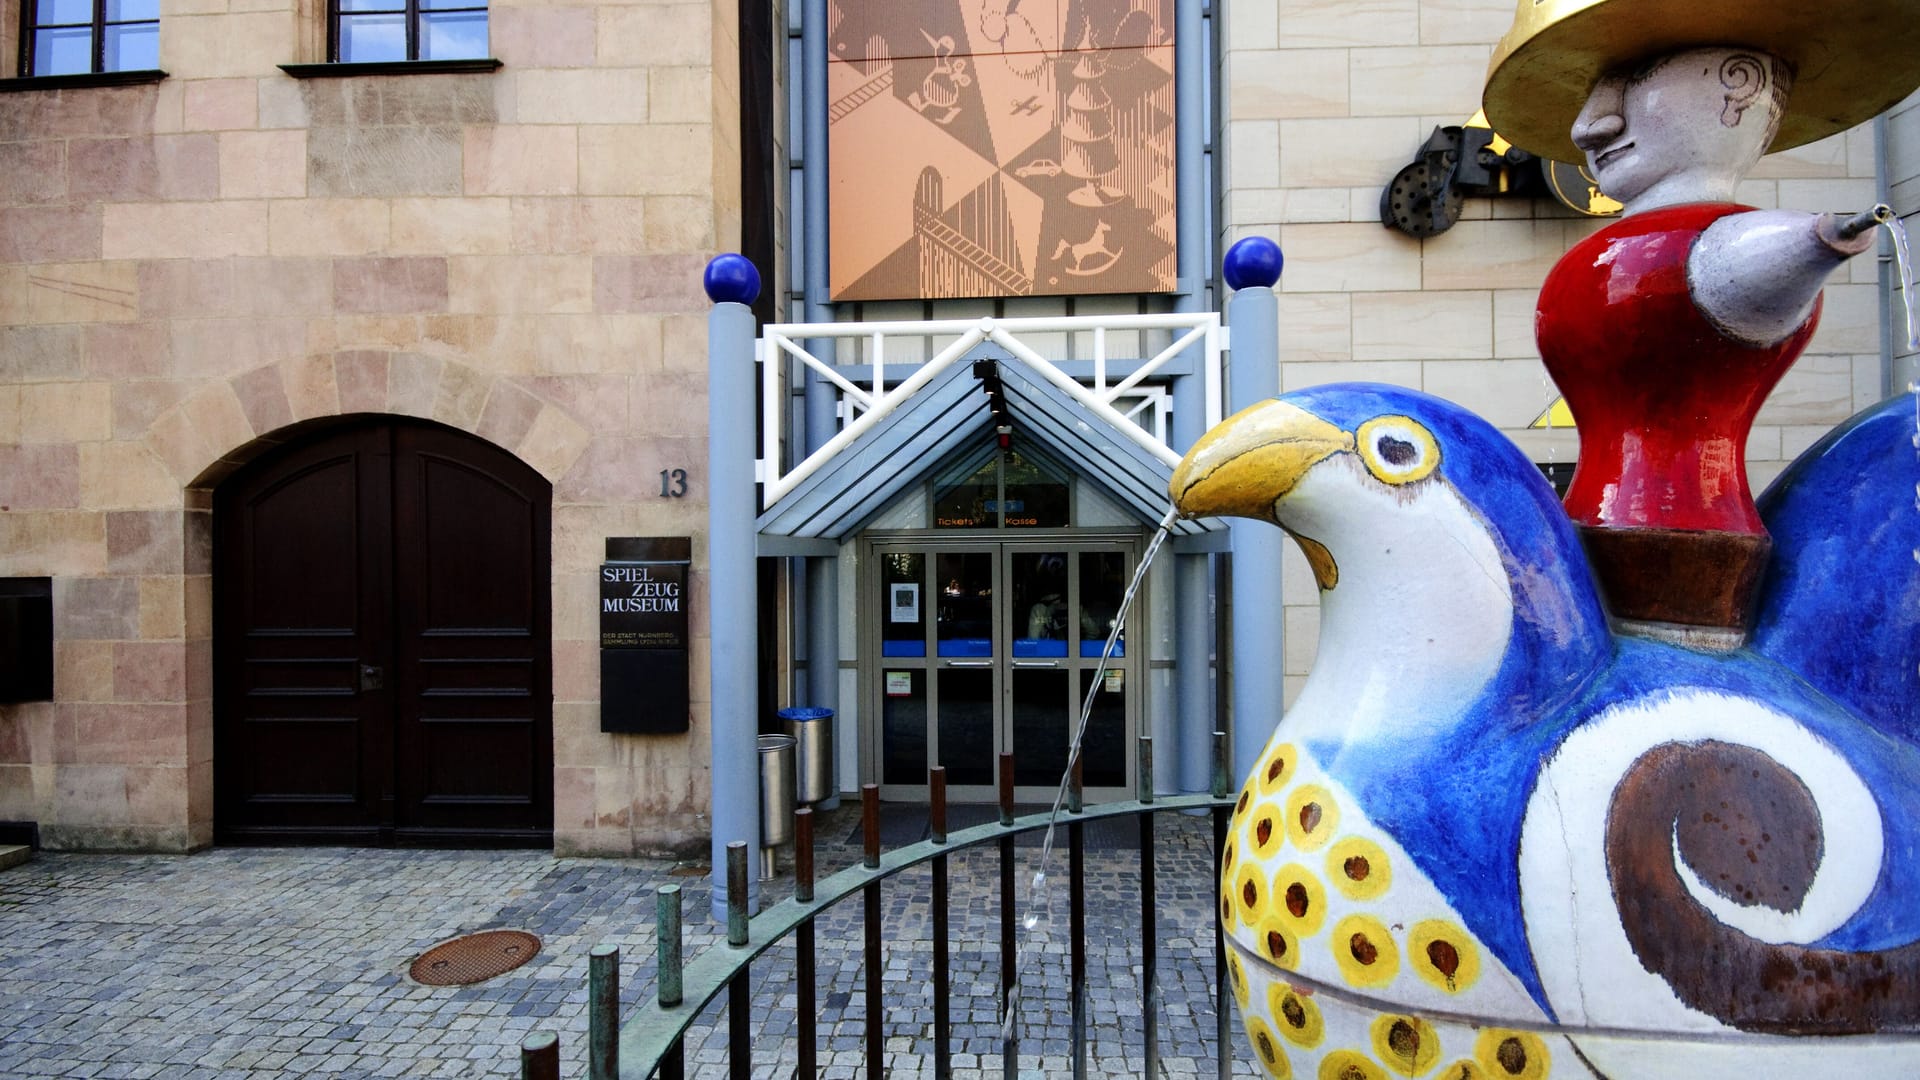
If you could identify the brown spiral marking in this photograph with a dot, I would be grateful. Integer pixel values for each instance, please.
(1749, 829)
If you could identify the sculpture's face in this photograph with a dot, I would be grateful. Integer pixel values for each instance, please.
(1685, 127)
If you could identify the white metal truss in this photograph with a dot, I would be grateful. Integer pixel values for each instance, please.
(1134, 406)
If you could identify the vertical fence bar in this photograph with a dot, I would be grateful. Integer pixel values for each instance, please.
(540, 1056)
(806, 990)
(876, 1004)
(1009, 934)
(740, 987)
(603, 1012)
(1077, 929)
(1149, 961)
(942, 1011)
(666, 936)
(1222, 991)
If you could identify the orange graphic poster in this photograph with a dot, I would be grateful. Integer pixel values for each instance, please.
(1000, 148)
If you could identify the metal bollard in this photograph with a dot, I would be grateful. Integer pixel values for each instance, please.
(666, 907)
(540, 1056)
(603, 1012)
(737, 892)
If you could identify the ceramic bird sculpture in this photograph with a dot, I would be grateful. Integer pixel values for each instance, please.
(1494, 838)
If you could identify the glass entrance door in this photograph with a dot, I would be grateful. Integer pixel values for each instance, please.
(990, 647)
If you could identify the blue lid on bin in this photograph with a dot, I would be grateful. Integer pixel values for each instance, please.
(806, 713)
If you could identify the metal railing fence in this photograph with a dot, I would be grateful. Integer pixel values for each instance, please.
(652, 1042)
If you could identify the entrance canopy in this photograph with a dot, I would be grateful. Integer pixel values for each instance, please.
(949, 417)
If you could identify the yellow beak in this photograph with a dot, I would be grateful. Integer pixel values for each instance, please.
(1252, 458)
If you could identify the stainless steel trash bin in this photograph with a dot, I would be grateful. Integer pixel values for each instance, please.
(776, 798)
(812, 731)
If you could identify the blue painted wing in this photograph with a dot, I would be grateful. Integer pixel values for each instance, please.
(1840, 605)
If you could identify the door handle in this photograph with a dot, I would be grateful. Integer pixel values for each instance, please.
(372, 677)
(1036, 663)
(968, 663)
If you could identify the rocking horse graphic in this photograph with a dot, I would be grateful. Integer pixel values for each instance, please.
(1086, 254)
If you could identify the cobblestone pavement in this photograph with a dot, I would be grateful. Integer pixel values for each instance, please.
(262, 962)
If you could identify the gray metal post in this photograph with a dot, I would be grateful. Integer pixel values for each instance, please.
(731, 590)
(1253, 318)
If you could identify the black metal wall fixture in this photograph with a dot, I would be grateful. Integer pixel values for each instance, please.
(26, 639)
(1427, 197)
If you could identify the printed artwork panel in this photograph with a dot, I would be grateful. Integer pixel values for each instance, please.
(1000, 148)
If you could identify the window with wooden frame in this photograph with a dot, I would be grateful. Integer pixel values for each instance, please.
(88, 37)
(383, 31)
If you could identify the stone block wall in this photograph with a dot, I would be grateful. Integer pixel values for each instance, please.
(1325, 101)
(190, 266)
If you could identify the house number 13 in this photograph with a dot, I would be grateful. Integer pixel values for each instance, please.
(673, 483)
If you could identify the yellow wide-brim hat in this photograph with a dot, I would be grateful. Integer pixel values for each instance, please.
(1852, 59)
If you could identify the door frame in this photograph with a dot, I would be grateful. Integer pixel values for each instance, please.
(1003, 545)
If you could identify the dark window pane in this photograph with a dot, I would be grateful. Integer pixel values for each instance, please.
(903, 741)
(63, 52)
(370, 38)
(63, 12)
(133, 10)
(135, 47)
(453, 36)
(963, 501)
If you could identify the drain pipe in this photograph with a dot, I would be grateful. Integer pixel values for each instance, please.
(1192, 686)
(822, 616)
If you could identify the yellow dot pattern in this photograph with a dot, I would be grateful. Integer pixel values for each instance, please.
(1312, 817)
(1239, 979)
(1441, 953)
(1349, 1065)
(1302, 914)
(1364, 950)
(1299, 899)
(1277, 943)
(1512, 1055)
(1296, 1016)
(1407, 1045)
(1358, 867)
(1267, 1049)
(1275, 770)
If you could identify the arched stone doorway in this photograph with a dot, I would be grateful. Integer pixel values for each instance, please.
(382, 641)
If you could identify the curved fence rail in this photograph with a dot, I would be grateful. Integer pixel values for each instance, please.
(652, 1041)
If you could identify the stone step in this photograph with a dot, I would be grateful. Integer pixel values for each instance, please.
(12, 855)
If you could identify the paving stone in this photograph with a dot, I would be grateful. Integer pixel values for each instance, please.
(262, 962)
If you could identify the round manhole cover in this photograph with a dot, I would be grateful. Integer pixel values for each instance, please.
(474, 958)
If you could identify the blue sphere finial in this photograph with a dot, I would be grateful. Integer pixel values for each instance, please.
(730, 278)
(1253, 262)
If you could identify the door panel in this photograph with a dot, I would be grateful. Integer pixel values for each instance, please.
(473, 682)
(301, 594)
(966, 740)
(383, 643)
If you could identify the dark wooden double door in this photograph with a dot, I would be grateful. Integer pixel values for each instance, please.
(383, 643)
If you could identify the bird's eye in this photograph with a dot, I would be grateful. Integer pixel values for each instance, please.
(1397, 449)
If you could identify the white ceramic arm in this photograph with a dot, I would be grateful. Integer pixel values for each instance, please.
(1756, 275)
